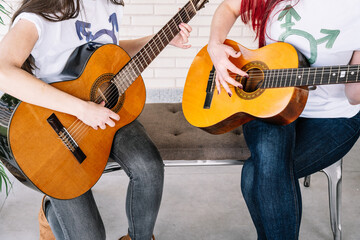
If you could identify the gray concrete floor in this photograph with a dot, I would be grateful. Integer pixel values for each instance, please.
(198, 203)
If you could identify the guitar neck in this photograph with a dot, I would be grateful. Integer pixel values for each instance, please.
(152, 49)
(297, 77)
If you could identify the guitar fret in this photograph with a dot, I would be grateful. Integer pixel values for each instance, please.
(116, 82)
(321, 78)
(181, 18)
(280, 75)
(276, 77)
(129, 76)
(165, 34)
(187, 14)
(313, 82)
(139, 63)
(330, 71)
(151, 48)
(333, 75)
(281, 72)
(266, 79)
(170, 29)
(138, 70)
(308, 76)
(295, 77)
(153, 41)
(291, 75)
(302, 77)
(145, 50)
(287, 76)
(271, 82)
(347, 73)
(126, 79)
(160, 40)
(144, 56)
(175, 25)
(193, 5)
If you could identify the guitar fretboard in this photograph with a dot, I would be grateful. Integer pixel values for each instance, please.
(152, 49)
(296, 77)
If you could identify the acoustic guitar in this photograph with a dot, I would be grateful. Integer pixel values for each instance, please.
(275, 91)
(56, 153)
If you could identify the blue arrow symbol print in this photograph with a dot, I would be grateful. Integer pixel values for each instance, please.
(83, 30)
(111, 33)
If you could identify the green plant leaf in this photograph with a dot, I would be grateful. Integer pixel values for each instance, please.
(4, 180)
(4, 11)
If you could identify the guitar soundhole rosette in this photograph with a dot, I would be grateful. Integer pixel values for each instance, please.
(104, 89)
(252, 84)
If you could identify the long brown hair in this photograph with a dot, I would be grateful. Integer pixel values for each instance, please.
(256, 13)
(52, 10)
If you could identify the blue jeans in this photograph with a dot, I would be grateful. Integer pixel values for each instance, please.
(79, 218)
(280, 155)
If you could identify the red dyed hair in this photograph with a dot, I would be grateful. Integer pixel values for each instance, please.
(256, 12)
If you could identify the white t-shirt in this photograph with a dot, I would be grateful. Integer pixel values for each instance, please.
(57, 40)
(327, 32)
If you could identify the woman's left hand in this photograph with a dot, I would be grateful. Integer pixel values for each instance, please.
(182, 38)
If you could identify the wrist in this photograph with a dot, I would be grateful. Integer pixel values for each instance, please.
(79, 108)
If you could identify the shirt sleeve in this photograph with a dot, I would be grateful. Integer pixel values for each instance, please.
(35, 19)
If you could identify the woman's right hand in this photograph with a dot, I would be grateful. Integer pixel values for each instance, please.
(97, 115)
(219, 54)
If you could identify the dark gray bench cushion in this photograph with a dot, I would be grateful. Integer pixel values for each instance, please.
(176, 139)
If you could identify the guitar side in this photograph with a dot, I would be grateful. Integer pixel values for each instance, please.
(275, 105)
(41, 156)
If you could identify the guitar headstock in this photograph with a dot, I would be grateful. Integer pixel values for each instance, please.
(199, 4)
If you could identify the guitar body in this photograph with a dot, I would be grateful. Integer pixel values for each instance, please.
(56, 153)
(36, 153)
(223, 113)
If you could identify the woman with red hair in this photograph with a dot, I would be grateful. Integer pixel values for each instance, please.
(326, 32)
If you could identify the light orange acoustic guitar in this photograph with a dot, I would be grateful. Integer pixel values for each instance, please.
(276, 90)
(56, 153)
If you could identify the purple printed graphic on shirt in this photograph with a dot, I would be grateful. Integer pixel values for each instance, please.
(83, 29)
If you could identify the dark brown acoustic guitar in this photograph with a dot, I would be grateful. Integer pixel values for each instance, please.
(56, 153)
(275, 91)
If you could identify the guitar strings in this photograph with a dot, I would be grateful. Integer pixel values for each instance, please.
(77, 128)
(266, 73)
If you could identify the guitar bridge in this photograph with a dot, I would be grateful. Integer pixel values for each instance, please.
(66, 138)
(210, 89)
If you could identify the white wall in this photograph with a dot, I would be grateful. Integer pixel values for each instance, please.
(145, 17)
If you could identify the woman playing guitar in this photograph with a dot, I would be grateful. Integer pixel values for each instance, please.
(327, 33)
(43, 35)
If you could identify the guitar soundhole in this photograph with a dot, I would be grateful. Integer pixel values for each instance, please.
(252, 84)
(105, 90)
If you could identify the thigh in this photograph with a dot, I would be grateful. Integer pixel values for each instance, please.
(271, 146)
(134, 150)
(322, 141)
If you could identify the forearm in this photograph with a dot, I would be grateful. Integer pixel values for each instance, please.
(27, 88)
(223, 19)
(352, 90)
(134, 45)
